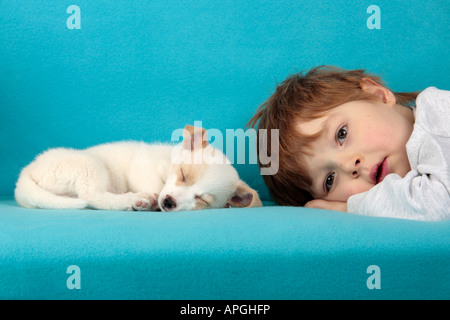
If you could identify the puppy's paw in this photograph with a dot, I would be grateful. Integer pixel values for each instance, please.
(145, 202)
(141, 205)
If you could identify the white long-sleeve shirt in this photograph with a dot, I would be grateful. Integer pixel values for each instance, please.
(424, 193)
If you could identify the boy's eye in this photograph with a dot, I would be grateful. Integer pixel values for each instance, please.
(341, 135)
(329, 181)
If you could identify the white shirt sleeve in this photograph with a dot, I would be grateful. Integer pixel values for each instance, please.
(424, 193)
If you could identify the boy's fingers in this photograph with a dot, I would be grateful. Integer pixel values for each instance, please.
(329, 205)
(316, 203)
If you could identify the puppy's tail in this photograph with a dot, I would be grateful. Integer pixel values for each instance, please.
(29, 194)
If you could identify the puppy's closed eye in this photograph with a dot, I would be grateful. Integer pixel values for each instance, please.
(181, 177)
(202, 201)
(186, 176)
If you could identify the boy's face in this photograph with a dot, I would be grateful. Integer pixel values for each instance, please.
(360, 143)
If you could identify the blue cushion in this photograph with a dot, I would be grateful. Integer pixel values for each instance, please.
(257, 253)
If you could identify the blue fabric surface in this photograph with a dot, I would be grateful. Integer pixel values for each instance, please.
(257, 253)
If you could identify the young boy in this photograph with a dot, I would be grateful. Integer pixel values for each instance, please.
(348, 143)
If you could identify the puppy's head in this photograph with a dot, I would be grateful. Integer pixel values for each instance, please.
(201, 177)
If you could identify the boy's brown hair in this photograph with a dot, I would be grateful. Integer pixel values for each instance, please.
(306, 97)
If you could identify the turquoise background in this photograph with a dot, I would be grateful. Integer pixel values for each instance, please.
(141, 69)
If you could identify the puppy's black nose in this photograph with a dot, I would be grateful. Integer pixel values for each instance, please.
(169, 203)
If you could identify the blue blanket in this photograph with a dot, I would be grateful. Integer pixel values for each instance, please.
(257, 253)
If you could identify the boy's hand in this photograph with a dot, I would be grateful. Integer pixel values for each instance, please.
(325, 204)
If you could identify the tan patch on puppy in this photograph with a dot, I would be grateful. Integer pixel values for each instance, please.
(188, 174)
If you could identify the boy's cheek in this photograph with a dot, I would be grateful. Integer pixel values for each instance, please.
(375, 138)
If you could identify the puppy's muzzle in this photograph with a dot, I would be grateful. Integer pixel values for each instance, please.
(169, 203)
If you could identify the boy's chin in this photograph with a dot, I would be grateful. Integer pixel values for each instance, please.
(402, 171)
(399, 164)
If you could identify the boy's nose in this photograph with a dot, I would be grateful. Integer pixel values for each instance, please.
(355, 172)
(351, 165)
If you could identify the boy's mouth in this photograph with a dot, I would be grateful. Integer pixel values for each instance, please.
(379, 171)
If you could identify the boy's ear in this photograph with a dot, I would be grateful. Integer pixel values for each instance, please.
(383, 93)
(194, 138)
(244, 196)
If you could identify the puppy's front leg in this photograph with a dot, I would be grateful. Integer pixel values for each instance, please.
(126, 201)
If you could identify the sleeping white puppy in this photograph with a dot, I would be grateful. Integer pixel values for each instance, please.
(135, 176)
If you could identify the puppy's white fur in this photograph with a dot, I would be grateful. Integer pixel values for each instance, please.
(135, 176)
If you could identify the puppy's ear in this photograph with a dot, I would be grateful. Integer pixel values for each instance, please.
(244, 196)
(194, 138)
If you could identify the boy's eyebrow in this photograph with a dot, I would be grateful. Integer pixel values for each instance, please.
(325, 128)
(303, 126)
(317, 186)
